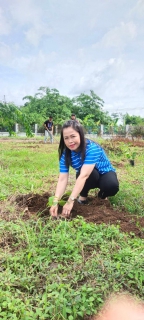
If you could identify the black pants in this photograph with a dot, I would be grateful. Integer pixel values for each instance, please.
(107, 183)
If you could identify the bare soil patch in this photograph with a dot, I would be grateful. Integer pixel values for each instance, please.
(96, 211)
(28, 141)
(135, 142)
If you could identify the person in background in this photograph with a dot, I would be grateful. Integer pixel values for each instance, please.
(93, 168)
(48, 124)
(73, 117)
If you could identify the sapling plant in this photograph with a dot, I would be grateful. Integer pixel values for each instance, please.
(53, 201)
(131, 156)
(129, 153)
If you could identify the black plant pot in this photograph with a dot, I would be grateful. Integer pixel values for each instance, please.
(132, 162)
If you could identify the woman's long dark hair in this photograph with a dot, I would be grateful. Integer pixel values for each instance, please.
(62, 147)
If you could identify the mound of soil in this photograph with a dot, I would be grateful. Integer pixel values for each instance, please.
(96, 211)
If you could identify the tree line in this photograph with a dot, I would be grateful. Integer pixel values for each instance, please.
(89, 110)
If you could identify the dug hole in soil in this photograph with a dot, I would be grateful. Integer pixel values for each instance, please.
(96, 211)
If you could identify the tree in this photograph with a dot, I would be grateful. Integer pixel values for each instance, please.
(134, 120)
(11, 114)
(8, 116)
(48, 102)
(85, 104)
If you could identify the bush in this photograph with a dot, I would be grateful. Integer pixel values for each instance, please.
(137, 131)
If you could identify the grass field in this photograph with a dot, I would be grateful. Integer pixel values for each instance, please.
(57, 269)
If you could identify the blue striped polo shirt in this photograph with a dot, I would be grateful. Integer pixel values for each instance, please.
(94, 155)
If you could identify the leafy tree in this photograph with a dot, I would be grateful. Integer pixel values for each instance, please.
(105, 118)
(90, 124)
(11, 114)
(87, 107)
(134, 120)
(85, 104)
(34, 106)
(8, 117)
(48, 102)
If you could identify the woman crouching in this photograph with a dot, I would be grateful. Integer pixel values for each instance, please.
(93, 168)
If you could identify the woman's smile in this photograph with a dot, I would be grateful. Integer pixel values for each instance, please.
(72, 145)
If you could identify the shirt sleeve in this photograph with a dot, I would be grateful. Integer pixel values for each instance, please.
(62, 167)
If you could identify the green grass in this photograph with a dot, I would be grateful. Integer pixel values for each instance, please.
(26, 168)
(59, 270)
(130, 196)
(64, 270)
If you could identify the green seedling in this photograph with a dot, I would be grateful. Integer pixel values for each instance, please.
(131, 155)
(52, 202)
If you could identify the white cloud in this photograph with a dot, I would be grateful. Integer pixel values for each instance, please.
(138, 9)
(5, 53)
(119, 36)
(29, 16)
(25, 12)
(4, 24)
(33, 65)
(34, 34)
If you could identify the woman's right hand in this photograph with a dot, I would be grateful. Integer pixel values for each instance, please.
(54, 211)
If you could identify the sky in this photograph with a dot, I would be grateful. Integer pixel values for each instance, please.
(74, 46)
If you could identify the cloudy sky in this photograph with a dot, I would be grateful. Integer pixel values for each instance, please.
(74, 46)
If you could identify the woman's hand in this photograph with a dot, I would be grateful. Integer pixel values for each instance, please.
(67, 208)
(54, 210)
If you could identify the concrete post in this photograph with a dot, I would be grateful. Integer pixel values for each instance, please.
(36, 129)
(56, 130)
(101, 130)
(127, 129)
(16, 128)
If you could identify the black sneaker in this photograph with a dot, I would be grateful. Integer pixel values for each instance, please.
(82, 201)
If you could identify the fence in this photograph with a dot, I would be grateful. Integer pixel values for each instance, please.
(100, 130)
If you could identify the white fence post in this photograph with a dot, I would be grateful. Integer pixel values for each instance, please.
(101, 130)
(56, 130)
(16, 128)
(127, 129)
(36, 128)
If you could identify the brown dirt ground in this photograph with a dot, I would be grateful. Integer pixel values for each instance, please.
(135, 142)
(96, 211)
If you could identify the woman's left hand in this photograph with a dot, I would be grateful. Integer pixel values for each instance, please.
(67, 208)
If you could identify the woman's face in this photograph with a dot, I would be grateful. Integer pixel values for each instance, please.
(71, 138)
